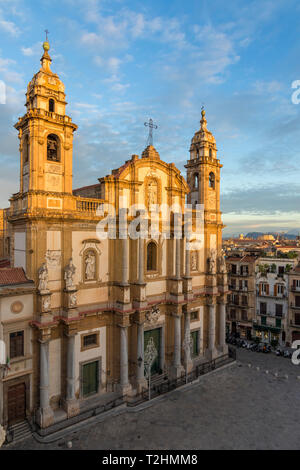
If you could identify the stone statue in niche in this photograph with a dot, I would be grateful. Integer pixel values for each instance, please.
(90, 266)
(69, 275)
(43, 278)
(152, 192)
(194, 261)
(212, 262)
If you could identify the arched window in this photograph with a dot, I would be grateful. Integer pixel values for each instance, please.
(151, 257)
(196, 180)
(26, 149)
(212, 180)
(51, 105)
(210, 152)
(53, 148)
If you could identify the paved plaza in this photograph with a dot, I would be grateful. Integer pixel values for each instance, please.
(239, 407)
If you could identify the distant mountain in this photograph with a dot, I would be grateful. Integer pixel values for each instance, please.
(254, 235)
(291, 235)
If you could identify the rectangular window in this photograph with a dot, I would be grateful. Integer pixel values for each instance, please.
(233, 268)
(263, 320)
(280, 271)
(278, 310)
(232, 314)
(246, 285)
(264, 288)
(16, 341)
(90, 341)
(280, 289)
(194, 315)
(278, 323)
(244, 315)
(297, 300)
(263, 308)
(244, 270)
(244, 300)
(297, 318)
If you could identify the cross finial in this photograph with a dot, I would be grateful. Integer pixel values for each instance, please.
(151, 126)
(47, 32)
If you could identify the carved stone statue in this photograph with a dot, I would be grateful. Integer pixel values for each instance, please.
(69, 275)
(194, 261)
(73, 299)
(212, 262)
(90, 266)
(152, 192)
(152, 316)
(222, 264)
(43, 278)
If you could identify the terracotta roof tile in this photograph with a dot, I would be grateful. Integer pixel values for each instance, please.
(13, 276)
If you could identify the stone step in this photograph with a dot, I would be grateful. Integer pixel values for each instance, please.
(20, 431)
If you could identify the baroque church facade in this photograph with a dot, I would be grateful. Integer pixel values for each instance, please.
(79, 317)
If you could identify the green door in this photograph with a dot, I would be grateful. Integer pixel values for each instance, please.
(90, 378)
(155, 334)
(194, 335)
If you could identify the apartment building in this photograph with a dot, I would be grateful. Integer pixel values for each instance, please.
(241, 300)
(272, 291)
(293, 322)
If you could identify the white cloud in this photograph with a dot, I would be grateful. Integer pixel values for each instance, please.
(9, 27)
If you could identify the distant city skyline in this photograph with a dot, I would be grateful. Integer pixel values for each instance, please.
(123, 62)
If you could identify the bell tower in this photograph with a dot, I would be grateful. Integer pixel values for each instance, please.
(203, 178)
(46, 136)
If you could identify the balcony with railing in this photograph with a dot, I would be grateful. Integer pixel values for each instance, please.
(88, 204)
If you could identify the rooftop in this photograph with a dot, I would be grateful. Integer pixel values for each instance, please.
(13, 276)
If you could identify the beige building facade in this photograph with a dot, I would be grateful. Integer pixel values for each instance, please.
(99, 302)
(242, 297)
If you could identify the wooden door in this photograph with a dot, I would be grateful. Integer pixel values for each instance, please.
(16, 403)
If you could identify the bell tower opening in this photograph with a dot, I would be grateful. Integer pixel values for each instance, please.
(53, 148)
(51, 106)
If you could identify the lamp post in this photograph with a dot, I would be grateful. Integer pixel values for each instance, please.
(187, 347)
(150, 356)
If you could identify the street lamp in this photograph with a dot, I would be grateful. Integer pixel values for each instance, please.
(187, 347)
(150, 356)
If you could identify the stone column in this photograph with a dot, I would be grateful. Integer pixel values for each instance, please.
(187, 336)
(124, 385)
(141, 261)
(141, 381)
(223, 345)
(178, 267)
(177, 366)
(45, 413)
(125, 259)
(187, 263)
(212, 330)
(71, 403)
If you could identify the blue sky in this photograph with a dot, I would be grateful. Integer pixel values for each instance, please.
(125, 61)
